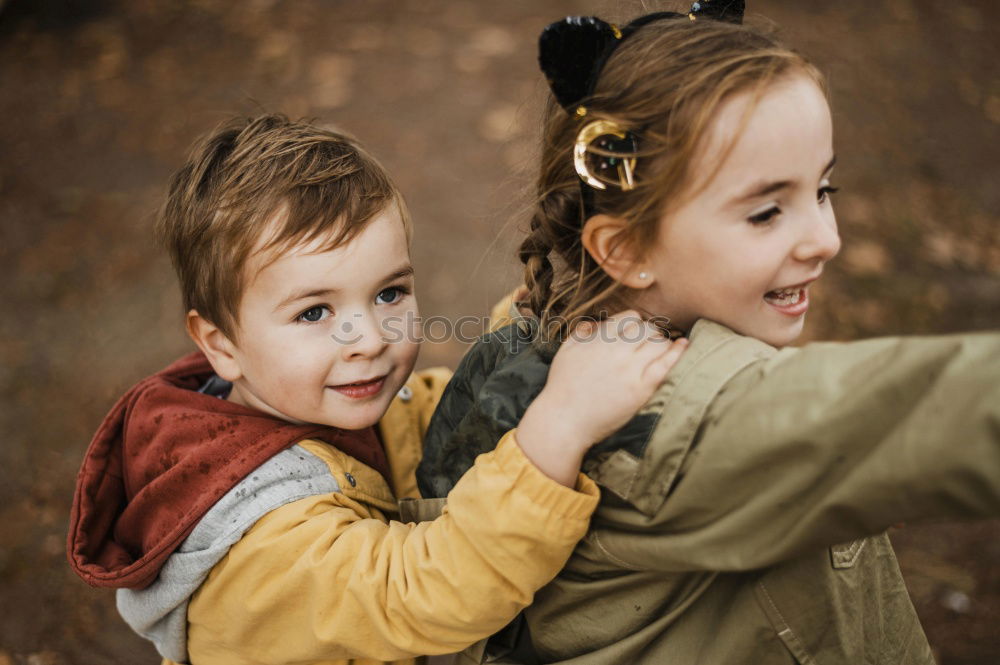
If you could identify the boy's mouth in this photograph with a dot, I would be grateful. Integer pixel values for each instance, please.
(790, 300)
(361, 389)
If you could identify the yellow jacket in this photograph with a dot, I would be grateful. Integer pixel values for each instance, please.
(331, 578)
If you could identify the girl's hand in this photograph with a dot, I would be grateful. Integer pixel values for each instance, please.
(599, 379)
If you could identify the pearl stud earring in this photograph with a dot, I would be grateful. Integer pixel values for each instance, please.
(643, 275)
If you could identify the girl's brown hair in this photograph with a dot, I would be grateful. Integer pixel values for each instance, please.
(665, 83)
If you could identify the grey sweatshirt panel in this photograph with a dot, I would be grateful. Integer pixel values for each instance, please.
(159, 612)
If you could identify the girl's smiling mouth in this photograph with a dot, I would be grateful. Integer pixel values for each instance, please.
(361, 389)
(790, 300)
(793, 302)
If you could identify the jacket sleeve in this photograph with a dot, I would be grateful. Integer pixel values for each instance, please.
(328, 577)
(823, 445)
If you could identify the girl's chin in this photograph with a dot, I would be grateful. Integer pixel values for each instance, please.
(784, 337)
(774, 333)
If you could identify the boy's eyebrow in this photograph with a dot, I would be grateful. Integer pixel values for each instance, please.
(302, 295)
(764, 188)
(406, 271)
(402, 272)
(317, 293)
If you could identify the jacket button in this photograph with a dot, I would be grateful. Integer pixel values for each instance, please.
(405, 393)
(351, 479)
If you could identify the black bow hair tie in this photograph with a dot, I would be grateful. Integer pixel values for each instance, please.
(572, 52)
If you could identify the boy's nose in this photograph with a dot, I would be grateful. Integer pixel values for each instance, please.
(360, 337)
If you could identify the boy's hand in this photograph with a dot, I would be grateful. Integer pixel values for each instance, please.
(599, 379)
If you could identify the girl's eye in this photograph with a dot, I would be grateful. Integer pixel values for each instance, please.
(390, 295)
(314, 314)
(824, 193)
(766, 216)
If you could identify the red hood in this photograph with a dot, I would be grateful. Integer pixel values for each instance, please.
(163, 456)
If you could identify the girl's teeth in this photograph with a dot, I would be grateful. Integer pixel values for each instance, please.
(785, 296)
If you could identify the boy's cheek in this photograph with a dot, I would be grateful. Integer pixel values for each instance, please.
(407, 351)
(401, 329)
(410, 326)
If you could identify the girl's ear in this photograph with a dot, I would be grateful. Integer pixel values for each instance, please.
(221, 353)
(604, 238)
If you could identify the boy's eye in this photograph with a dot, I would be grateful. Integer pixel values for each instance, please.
(766, 216)
(390, 295)
(824, 193)
(314, 314)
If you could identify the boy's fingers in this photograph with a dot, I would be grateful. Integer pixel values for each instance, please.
(625, 314)
(629, 329)
(652, 351)
(654, 334)
(653, 343)
(657, 369)
(624, 326)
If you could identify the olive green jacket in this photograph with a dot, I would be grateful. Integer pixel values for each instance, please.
(743, 510)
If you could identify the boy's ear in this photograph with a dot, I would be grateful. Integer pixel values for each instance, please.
(604, 239)
(219, 350)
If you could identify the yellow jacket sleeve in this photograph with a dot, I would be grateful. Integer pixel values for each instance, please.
(328, 577)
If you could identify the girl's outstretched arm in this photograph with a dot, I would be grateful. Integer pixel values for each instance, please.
(811, 447)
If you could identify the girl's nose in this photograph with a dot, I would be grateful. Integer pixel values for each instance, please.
(820, 239)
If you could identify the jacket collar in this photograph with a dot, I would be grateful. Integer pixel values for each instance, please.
(162, 457)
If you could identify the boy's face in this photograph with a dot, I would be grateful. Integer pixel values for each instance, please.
(325, 336)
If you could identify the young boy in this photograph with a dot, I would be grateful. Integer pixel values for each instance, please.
(240, 499)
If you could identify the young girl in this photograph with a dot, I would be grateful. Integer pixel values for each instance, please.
(686, 171)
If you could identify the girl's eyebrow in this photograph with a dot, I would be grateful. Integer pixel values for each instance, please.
(830, 165)
(762, 189)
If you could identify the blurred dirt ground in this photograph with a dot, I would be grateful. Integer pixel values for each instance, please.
(100, 99)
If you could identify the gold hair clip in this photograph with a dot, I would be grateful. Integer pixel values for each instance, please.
(608, 147)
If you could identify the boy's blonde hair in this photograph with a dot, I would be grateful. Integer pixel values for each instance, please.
(292, 180)
(665, 83)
